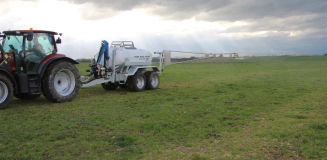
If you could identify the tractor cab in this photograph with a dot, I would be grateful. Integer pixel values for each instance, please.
(28, 48)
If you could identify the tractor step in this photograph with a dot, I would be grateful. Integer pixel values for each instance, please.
(34, 84)
(32, 78)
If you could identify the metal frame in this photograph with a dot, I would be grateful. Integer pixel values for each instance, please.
(165, 57)
(122, 44)
(164, 60)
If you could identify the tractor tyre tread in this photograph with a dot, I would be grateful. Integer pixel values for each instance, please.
(10, 88)
(27, 96)
(48, 88)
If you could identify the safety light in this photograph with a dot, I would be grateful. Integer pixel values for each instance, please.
(31, 28)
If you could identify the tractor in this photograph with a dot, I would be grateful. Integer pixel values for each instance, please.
(30, 65)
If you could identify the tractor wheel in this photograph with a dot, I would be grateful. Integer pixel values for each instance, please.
(123, 86)
(27, 96)
(152, 80)
(6, 91)
(109, 86)
(61, 82)
(137, 82)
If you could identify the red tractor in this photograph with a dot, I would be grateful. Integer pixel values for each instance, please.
(30, 66)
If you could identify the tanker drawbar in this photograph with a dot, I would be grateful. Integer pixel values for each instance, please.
(121, 64)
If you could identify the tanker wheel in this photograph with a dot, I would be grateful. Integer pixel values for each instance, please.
(137, 82)
(27, 96)
(123, 86)
(61, 82)
(152, 80)
(6, 91)
(109, 86)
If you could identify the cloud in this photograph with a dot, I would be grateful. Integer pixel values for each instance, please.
(297, 26)
(90, 11)
(215, 10)
(294, 17)
(119, 5)
(252, 9)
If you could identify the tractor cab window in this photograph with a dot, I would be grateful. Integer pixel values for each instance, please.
(40, 47)
(42, 44)
(13, 44)
(0, 51)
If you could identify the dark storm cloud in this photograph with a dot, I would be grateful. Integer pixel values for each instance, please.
(253, 9)
(120, 5)
(216, 10)
(284, 24)
(169, 9)
(281, 15)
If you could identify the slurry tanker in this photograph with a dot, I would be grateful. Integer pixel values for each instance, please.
(122, 65)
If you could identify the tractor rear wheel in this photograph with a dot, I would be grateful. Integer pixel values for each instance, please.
(109, 86)
(6, 91)
(137, 82)
(152, 80)
(61, 82)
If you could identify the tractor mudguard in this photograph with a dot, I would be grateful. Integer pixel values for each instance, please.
(11, 78)
(43, 66)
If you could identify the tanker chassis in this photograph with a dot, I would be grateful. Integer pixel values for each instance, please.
(122, 65)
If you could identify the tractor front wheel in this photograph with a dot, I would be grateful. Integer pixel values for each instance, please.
(61, 82)
(6, 91)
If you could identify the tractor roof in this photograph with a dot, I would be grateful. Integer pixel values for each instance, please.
(25, 31)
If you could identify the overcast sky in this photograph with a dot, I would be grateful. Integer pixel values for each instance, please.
(247, 27)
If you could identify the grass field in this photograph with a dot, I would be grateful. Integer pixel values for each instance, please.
(256, 108)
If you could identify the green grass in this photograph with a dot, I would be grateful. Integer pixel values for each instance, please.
(256, 108)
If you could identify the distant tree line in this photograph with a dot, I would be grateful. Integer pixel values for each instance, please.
(83, 60)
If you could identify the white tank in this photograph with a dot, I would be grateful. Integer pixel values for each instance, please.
(128, 56)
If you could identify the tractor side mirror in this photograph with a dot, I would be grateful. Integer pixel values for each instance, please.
(29, 36)
(58, 41)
